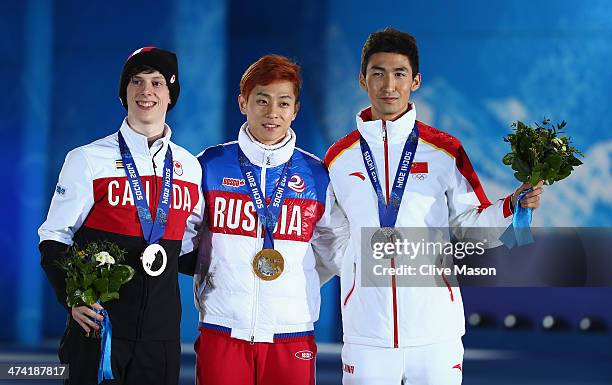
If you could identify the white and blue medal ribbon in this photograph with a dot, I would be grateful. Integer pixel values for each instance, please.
(267, 214)
(152, 232)
(519, 231)
(105, 371)
(387, 212)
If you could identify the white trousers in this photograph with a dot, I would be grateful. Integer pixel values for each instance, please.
(435, 364)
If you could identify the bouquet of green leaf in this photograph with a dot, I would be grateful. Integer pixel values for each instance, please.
(541, 152)
(94, 273)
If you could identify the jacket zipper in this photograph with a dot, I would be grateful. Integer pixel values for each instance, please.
(393, 281)
(152, 201)
(259, 245)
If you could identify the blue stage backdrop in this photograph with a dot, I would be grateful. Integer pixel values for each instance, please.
(484, 65)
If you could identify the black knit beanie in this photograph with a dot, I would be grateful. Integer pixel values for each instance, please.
(163, 61)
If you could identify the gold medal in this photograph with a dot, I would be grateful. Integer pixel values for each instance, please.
(268, 264)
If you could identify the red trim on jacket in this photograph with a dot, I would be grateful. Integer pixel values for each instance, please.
(448, 286)
(366, 115)
(352, 287)
(453, 147)
(508, 206)
(342, 144)
(393, 279)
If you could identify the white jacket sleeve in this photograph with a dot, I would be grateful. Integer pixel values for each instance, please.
(330, 238)
(72, 200)
(194, 225)
(470, 211)
(202, 263)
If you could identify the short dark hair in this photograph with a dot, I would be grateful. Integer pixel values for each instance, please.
(393, 41)
(139, 69)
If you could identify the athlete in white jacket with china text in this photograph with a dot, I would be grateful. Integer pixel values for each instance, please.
(392, 334)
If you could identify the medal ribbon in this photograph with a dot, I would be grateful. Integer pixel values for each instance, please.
(519, 232)
(267, 214)
(105, 371)
(387, 212)
(152, 231)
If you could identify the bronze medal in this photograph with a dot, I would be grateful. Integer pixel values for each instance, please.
(268, 264)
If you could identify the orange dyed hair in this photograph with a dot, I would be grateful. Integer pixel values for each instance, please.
(271, 69)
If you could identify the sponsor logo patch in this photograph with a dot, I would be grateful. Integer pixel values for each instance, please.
(178, 168)
(348, 368)
(60, 190)
(297, 184)
(358, 174)
(305, 355)
(119, 164)
(233, 182)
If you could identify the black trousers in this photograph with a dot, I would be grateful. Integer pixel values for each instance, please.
(133, 362)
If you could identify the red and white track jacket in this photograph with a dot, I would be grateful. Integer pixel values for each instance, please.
(309, 235)
(93, 201)
(448, 194)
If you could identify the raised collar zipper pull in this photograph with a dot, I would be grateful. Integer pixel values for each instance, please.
(384, 133)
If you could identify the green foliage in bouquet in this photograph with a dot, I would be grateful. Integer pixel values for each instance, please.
(541, 152)
(94, 273)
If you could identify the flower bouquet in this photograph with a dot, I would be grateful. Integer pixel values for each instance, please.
(94, 273)
(540, 153)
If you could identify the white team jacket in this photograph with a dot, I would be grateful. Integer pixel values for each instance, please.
(93, 190)
(93, 201)
(446, 193)
(227, 291)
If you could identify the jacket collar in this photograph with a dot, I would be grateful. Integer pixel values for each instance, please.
(397, 130)
(138, 143)
(264, 155)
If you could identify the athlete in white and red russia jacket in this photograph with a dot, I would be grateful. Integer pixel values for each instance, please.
(449, 195)
(228, 293)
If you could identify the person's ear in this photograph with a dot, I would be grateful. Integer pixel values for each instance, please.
(295, 110)
(416, 82)
(242, 104)
(362, 82)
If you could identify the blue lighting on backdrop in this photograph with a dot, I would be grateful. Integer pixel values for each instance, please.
(484, 65)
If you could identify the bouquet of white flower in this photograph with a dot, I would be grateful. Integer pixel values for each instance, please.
(94, 273)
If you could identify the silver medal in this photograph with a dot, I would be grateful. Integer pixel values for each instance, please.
(384, 235)
(154, 260)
